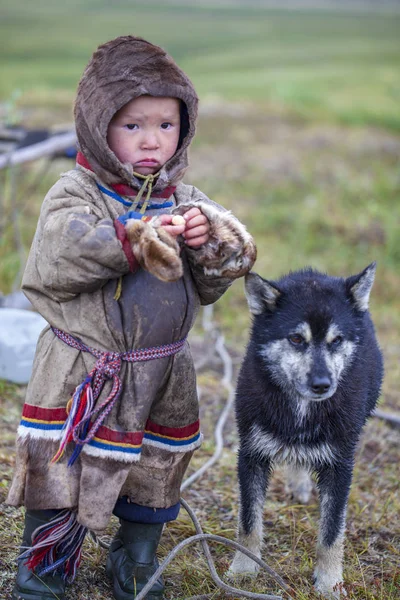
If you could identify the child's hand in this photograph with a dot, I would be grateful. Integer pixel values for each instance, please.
(165, 221)
(197, 231)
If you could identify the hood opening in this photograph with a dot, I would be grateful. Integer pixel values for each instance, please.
(119, 71)
(184, 125)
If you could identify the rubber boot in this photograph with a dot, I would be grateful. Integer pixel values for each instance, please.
(28, 585)
(132, 560)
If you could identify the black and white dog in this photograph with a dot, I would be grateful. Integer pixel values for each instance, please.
(310, 378)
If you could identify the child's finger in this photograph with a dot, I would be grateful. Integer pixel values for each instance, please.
(196, 221)
(198, 241)
(198, 231)
(174, 230)
(192, 212)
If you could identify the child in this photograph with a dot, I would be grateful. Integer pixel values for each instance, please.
(111, 414)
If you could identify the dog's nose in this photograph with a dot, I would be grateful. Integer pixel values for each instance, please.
(320, 385)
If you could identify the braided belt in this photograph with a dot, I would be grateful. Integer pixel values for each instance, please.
(82, 406)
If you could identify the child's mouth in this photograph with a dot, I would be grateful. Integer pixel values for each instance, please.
(147, 162)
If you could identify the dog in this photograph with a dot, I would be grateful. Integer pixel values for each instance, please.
(310, 378)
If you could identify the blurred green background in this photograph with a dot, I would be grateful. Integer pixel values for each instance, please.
(341, 64)
(298, 130)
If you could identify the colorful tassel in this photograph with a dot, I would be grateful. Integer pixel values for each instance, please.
(57, 547)
(82, 406)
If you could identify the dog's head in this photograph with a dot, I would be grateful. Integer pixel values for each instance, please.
(306, 328)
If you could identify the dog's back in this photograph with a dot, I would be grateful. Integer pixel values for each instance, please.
(310, 378)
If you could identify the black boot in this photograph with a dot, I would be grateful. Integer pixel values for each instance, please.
(132, 560)
(28, 585)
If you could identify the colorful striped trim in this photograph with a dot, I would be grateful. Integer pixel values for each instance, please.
(42, 422)
(175, 439)
(117, 445)
(117, 441)
(126, 190)
(47, 423)
(151, 205)
(43, 415)
(114, 195)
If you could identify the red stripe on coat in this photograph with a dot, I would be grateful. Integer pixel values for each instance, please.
(44, 414)
(121, 437)
(125, 190)
(176, 432)
(126, 246)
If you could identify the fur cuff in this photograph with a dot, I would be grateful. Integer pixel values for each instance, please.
(230, 251)
(155, 249)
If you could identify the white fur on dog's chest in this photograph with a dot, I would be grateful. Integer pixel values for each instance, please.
(266, 445)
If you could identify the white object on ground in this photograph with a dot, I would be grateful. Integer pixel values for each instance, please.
(15, 300)
(19, 332)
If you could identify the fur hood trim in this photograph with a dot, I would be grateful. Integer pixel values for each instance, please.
(119, 71)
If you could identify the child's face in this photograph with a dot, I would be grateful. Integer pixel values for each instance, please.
(145, 132)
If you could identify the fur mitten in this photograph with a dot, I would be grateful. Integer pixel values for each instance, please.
(230, 251)
(155, 249)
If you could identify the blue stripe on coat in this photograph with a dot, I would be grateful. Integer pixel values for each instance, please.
(41, 425)
(151, 205)
(114, 195)
(168, 442)
(112, 448)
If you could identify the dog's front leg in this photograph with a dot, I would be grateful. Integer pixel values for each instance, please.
(334, 486)
(253, 481)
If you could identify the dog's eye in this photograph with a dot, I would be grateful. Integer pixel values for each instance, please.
(296, 339)
(337, 341)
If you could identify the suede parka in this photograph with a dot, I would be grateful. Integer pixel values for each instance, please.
(77, 259)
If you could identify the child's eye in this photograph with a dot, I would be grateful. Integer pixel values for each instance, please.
(131, 126)
(166, 125)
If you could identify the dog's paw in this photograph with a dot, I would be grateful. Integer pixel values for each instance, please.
(329, 586)
(242, 566)
(155, 249)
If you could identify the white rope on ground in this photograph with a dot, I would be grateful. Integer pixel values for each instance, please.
(202, 537)
(227, 382)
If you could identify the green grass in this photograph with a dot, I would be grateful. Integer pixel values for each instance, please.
(341, 66)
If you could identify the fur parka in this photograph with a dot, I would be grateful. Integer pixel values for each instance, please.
(76, 261)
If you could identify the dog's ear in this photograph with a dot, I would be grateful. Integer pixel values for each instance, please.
(261, 294)
(359, 286)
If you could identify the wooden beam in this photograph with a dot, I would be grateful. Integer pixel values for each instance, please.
(390, 417)
(55, 143)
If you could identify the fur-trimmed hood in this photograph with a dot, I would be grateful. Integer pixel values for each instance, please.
(119, 71)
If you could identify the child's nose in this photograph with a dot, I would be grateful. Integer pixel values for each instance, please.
(150, 140)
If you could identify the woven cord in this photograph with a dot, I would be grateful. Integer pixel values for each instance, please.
(82, 407)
